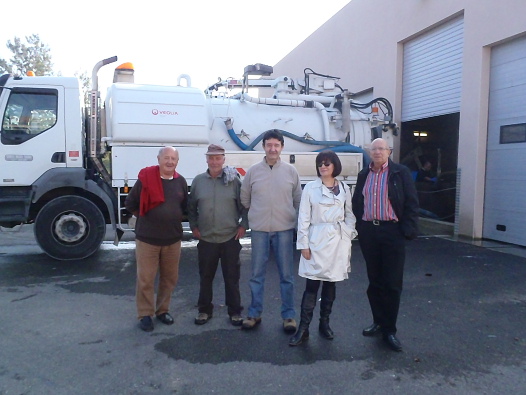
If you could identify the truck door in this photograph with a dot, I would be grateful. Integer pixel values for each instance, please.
(32, 134)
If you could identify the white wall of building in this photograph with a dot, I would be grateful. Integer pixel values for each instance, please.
(363, 44)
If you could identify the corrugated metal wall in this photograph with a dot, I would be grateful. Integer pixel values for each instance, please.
(432, 74)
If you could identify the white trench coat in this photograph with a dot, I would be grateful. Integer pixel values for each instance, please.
(326, 226)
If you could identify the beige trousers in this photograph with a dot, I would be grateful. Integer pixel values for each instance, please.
(151, 260)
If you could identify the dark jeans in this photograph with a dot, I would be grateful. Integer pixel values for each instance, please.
(209, 255)
(383, 247)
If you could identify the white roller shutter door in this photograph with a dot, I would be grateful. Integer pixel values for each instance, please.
(432, 73)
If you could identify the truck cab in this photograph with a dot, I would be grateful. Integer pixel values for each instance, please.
(41, 159)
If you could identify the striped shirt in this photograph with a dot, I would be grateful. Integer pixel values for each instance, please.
(375, 192)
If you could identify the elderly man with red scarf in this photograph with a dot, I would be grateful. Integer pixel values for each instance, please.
(158, 200)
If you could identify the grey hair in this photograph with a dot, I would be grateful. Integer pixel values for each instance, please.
(163, 148)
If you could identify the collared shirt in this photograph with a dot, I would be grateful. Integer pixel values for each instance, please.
(376, 198)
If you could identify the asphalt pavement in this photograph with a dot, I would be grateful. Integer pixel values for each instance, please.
(70, 328)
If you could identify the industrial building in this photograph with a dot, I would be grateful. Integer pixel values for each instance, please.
(455, 73)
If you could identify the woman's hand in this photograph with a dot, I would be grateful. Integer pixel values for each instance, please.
(305, 253)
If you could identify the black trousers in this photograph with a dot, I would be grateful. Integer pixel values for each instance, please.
(312, 286)
(383, 247)
(209, 255)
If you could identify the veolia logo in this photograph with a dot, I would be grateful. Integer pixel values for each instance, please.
(163, 112)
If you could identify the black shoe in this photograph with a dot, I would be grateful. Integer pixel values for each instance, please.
(393, 342)
(325, 330)
(371, 330)
(146, 323)
(236, 320)
(202, 318)
(301, 335)
(165, 318)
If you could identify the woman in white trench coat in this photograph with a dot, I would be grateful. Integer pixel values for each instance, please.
(325, 230)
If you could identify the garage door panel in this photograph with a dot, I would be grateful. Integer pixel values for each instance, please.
(434, 60)
(506, 53)
(433, 65)
(505, 191)
(511, 225)
(435, 38)
(494, 135)
(500, 198)
(432, 72)
(450, 80)
(507, 103)
(509, 75)
(500, 168)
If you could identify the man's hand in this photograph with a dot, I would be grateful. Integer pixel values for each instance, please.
(240, 233)
(196, 233)
(305, 253)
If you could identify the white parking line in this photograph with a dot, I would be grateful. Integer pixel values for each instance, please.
(34, 249)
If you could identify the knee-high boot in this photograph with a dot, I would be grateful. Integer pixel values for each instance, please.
(328, 294)
(307, 309)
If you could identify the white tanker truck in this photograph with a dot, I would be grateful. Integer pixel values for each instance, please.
(68, 169)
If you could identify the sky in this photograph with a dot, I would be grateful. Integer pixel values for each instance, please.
(205, 39)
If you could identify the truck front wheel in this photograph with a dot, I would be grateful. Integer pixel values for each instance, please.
(70, 227)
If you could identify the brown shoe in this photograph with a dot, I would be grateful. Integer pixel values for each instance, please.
(251, 322)
(289, 325)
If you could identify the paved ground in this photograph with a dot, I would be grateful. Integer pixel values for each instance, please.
(69, 328)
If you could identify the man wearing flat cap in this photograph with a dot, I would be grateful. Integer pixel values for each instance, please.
(218, 221)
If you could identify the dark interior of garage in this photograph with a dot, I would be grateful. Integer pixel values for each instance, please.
(433, 140)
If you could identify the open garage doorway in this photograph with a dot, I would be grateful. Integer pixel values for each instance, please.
(433, 140)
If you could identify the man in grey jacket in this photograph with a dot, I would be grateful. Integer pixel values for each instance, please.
(271, 191)
(214, 213)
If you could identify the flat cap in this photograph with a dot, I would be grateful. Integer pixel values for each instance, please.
(214, 149)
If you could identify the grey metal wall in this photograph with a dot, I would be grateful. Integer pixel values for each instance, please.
(505, 191)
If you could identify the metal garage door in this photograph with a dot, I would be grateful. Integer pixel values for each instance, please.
(505, 196)
(432, 72)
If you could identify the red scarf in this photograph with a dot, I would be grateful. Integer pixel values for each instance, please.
(152, 193)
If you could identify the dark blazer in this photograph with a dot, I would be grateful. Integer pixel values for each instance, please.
(402, 195)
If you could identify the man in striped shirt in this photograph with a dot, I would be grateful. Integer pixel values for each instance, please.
(385, 204)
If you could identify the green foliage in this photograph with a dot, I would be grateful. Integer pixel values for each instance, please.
(34, 55)
(31, 55)
(85, 86)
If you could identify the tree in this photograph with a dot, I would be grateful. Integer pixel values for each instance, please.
(85, 85)
(33, 55)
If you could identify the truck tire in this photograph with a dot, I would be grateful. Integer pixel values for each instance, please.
(70, 227)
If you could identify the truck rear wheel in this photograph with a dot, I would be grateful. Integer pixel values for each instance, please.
(70, 227)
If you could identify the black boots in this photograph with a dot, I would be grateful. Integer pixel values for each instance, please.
(307, 308)
(328, 294)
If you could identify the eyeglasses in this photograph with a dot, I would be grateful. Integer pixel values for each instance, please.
(379, 149)
(326, 164)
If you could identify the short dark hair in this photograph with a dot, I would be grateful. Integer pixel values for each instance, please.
(273, 134)
(329, 156)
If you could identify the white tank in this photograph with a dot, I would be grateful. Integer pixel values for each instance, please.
(250, 120)
(153, 114)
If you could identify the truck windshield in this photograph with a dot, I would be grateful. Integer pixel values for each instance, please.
(28, 113)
